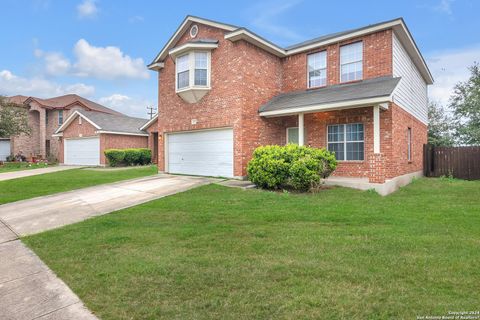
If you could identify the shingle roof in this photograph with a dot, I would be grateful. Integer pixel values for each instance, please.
(337, 34)
(116, 123)
(61, 102)
(371, 88)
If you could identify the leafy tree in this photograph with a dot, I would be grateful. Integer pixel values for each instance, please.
(465, 104)
(13, 119)
(439, 126)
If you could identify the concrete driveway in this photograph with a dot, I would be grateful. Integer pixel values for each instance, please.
(49, 212)
(28, 288)
(33, 172)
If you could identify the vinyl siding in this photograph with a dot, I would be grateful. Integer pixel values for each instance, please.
(411, 93)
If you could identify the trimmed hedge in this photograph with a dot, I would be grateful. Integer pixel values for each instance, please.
(128, 157)
(290, 166)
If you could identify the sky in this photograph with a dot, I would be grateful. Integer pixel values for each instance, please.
(99, 49)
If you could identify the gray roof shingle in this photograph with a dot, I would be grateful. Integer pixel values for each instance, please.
(116, 123)
(370, 88)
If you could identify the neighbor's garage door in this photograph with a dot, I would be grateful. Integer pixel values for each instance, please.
(84, 151)
(203, 153)
(4, 149)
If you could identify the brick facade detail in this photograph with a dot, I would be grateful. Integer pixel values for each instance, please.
(244, 77)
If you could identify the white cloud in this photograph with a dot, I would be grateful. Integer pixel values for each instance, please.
(106, 62)
(54, 62)
(266, 17)
(11, 84)
(87, 9)
(127, 105)
(448, 68)
(136, 19)
(444, 6)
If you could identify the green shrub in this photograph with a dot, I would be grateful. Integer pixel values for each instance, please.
(145, 156)
(128, 157)
(290, 166)
(132, 157)
(115, 157)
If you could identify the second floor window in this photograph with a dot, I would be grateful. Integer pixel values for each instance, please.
(201, 68)
(60, 117)
(351, 62)
(193, 70)
(317, 69)
(183, 71)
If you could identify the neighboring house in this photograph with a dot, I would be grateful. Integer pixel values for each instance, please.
(44, 118)
(223, 91)
(85, 135)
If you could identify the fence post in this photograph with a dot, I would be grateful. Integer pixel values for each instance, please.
(427, 159)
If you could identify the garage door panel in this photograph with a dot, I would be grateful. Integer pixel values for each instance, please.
(85, 151)
(4, 149)
(208, 153)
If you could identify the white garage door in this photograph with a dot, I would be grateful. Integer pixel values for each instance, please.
(203, 153)
(4, 149)
(84, 151)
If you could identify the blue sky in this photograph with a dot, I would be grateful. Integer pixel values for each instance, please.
(99, 48)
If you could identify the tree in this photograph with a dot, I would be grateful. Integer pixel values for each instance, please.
(465, 104)
(13, 119)
(439, 126)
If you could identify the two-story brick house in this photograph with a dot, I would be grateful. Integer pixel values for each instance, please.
(223, 91)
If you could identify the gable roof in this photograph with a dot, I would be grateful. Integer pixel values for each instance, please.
(240, 33)
(108, 123)
(186, 23)
(69, 100)
(362, 90)
(149, 122)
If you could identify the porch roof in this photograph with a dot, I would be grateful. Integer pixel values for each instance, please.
(371, 91)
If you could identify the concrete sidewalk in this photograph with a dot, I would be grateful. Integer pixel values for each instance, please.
(28, 288)
(33, 172)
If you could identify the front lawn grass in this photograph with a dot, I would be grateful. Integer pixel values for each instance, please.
(18, 166)
(223, 253)
(49, 183)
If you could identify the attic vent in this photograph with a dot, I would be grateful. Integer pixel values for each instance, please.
(194, 31)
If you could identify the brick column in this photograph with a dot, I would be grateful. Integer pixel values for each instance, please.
(376, 163)
(43, 133)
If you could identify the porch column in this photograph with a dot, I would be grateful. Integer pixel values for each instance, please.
(376, 129)
(301, 130)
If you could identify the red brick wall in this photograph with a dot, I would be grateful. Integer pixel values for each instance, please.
(399, 164)
(221, 107)
(377, 61)
(118, 141)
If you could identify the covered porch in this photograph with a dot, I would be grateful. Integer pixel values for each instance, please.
(351, 120)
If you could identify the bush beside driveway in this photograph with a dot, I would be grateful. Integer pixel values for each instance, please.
(218, 252)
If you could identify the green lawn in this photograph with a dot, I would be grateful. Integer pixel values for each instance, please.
(17, 166)
(49, 183)
(222, 253)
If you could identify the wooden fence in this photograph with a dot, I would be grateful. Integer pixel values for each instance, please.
(458, 162)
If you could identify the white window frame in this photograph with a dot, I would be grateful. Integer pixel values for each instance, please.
(191, 73)
(287, 130)
(326, 66)
(409, 144)
(351, 62)
(60, 112)
(345, 141)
